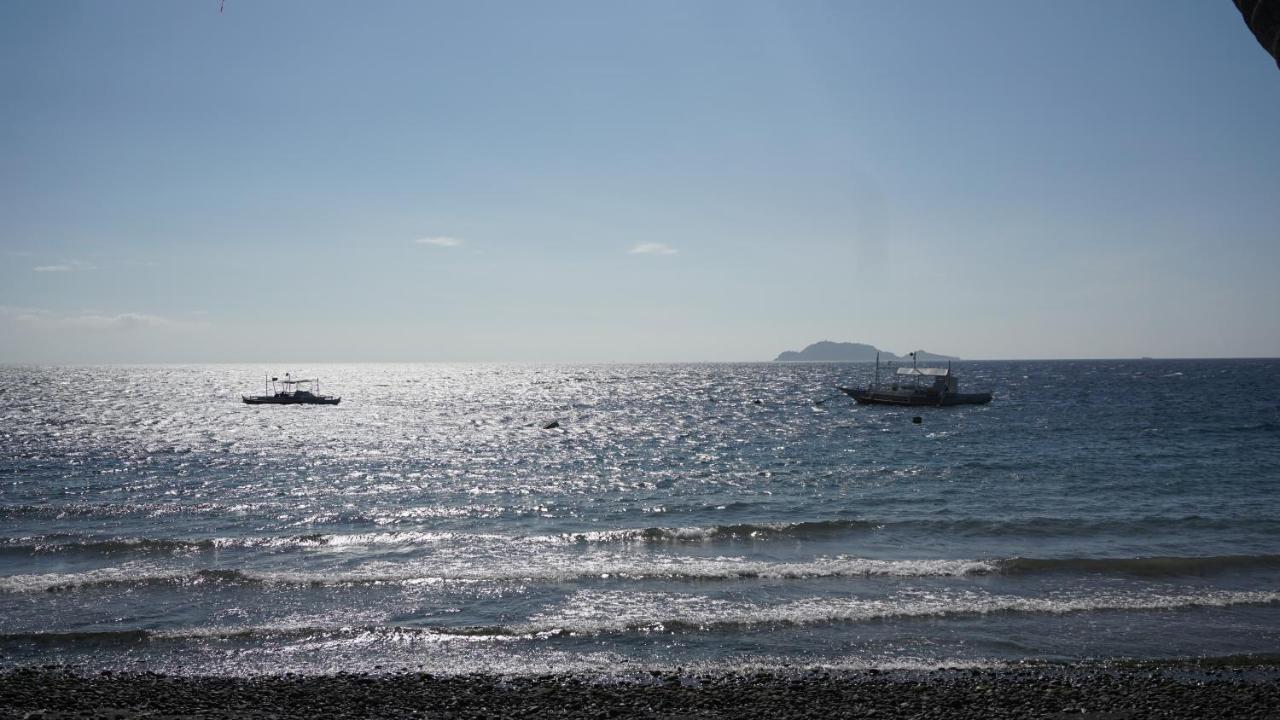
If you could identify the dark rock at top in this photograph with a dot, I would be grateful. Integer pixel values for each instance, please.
(1263, 18)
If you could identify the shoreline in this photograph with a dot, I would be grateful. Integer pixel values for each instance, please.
(1191, 689)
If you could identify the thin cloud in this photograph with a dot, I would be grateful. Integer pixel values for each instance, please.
(41, 319)
(653, 249)
(440, 241)
(123, 321)
(72, 266)
(21, 314)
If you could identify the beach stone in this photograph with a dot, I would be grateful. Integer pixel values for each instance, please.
(803, 693)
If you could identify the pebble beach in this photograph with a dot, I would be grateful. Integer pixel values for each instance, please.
(1191, 691)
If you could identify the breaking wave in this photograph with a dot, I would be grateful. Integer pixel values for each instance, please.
(808, 530)
(595, 613)
(590, 613)
(109, 546)
(1145, 567)
(574, 568)
(569, 569)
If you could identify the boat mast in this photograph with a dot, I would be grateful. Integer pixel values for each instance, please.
(877, 385)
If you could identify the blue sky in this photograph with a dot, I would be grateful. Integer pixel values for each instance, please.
(656, 181)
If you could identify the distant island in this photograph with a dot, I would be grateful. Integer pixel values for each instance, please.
(827, 351)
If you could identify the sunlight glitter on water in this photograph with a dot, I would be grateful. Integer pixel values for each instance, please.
(669, 519)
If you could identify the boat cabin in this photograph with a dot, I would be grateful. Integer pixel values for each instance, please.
(291, 386)
(926, 378)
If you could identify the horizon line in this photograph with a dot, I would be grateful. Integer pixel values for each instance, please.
(118, 363)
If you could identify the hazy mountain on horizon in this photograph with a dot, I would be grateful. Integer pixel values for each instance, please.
(828, 351)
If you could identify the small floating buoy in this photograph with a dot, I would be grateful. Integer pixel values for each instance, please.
(917, 419)
(757, 402)
(551, 425)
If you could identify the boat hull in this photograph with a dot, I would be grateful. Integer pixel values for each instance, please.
(278, 400)
(915, 399)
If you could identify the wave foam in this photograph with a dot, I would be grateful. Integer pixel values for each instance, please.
(598, 613)
(729, 533)
(561, 569)
(553, 567)
(607, 613)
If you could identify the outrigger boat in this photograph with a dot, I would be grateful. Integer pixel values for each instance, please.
(906, 388)
(290, 392)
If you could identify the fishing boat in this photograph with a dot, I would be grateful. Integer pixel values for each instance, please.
(918, 386)
(290, 391)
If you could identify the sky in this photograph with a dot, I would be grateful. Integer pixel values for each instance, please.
(674, 180)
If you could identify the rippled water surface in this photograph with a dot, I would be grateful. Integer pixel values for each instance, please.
(681, 515)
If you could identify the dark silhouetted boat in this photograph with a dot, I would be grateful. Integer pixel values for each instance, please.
(290, 391)
(917, 386)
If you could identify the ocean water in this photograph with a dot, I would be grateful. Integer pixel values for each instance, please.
(706, 516)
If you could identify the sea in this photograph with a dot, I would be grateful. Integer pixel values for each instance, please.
(694, 517)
